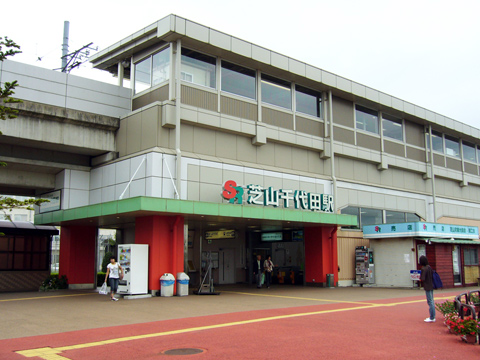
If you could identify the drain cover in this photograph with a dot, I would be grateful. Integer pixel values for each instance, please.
(186, 351)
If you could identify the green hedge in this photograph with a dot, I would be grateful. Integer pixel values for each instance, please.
(100, 278)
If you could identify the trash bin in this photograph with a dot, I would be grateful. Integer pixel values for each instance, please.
(330, 280)
(182, 284)
(166, 284)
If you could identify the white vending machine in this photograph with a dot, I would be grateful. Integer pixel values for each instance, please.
(133, 258)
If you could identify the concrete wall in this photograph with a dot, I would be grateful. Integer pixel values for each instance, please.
(68, 91)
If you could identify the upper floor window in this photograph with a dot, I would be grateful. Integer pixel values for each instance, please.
(143, 74)
(308, 101)
(437, 141)
(276, 92)
(352, 210)
(394, 217)
(468, 151)
(366, 119)
(160, 67)
(367, 216)
(412, 217)
(198, 68)
(392, 127)
(452, 146)
(152, 70)
(371, 216)
(238, 80)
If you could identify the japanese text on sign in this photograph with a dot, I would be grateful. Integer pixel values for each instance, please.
(258, 195)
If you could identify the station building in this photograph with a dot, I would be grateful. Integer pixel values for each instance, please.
(226, 150)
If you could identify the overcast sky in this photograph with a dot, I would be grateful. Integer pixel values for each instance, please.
(423, 51)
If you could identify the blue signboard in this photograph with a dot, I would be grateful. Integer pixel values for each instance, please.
(420, 229)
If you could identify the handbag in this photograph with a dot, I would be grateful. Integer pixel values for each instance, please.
(103, 289)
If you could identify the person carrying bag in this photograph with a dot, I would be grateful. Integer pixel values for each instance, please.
(114, 274)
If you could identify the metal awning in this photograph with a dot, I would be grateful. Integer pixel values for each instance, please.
(26, 228)
(449, 241)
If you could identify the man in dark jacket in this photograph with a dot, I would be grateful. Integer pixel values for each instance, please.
(257, 270)
(427, 280)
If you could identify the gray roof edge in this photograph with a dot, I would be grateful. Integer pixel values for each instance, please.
(97, 58)
(352, 87)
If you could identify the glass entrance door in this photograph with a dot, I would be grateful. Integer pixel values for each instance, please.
(457, 274)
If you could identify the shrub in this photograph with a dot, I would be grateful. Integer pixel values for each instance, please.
(106, 261)
(100, 278)
(54, 282)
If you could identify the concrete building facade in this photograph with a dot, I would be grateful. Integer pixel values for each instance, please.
(219, 135)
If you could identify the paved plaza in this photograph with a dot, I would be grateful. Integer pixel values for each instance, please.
(283, 322)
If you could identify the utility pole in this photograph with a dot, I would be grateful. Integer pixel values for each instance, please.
(66, 30)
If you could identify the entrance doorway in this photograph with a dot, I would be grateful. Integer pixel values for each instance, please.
(457, 274)
(226, 266)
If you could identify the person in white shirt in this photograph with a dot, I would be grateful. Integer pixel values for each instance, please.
(114, 272)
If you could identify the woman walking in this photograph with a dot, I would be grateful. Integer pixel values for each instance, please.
(113, 273)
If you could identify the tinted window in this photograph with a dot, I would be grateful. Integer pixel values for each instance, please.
(276, 92)
(160, 66)
(437, 141)
(198, 68)
(238, 80)
(392, 127)
(366, 119)
(411, 217)
(152, 71)
(470, 256)
(308, 101)
(394, 217)
(452, 146)
(468, 151)
(143, 75)
(370, 216)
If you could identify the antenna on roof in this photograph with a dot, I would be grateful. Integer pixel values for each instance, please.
(76, 58)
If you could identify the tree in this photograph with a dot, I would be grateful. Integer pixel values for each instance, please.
(6, 92)
(10, 48)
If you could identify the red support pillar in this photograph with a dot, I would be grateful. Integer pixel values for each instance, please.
(77, 255)
(164, 237)
(320, 254)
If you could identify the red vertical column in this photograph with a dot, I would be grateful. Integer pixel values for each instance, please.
(164, 237)
(77, 254)
(320, 254)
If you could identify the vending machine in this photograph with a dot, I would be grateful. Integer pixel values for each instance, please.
(364, 266)
(133, 258)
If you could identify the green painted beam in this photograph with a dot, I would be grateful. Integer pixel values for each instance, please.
(187, 207)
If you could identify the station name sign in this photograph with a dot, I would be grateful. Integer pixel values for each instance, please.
(268, 196)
